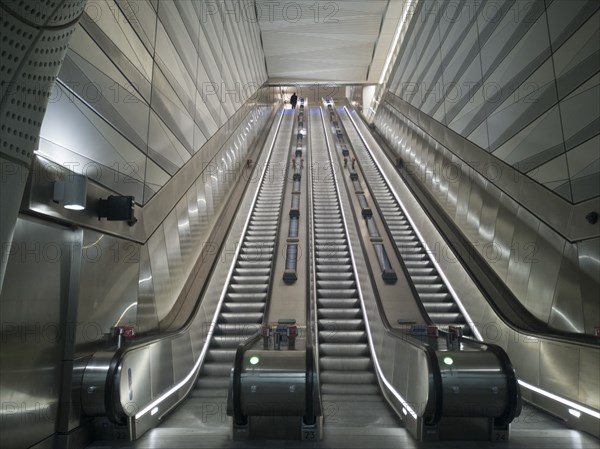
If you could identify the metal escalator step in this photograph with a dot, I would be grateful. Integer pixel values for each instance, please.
(420, 271)
(331, 253)
(337, 349)
(262, 229)
(247, 288)
(343, 337)
(213, 382)
(336, 261)
(246, 297)
(337, 243)
(334, 293)
(255, 257)
(254, 263)
(339, 313)
(255, 238)
(347, 377)
(408, 249)
(330, 325)
(252, 272)
(248, 308)
(415, 257)
(440, 307)
(432, 280)
(335, 276)
(338, 303)
(435, 297)
(430, 288)
(447, 318)
(250, 280)
(216, 369)
(345, 363)
(349, 390)
(407, 244)
(336, 284)
(241, 317)
(226, 341)
(258, 250)
(220, 355)
(246, 329)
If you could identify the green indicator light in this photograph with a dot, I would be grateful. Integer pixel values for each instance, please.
(254, 360)
(448, 360)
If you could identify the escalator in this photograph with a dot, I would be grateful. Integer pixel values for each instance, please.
(243, 308)
(346, 369)
(433, 292)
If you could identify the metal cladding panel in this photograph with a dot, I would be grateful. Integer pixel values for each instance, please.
(560, 368)
(190, 68)
(102, 304)
(162, 376)
(30, 361)
(515, 78)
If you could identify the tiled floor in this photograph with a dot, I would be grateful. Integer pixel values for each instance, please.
(202, 426)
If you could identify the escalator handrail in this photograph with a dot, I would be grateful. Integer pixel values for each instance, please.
(312, 347)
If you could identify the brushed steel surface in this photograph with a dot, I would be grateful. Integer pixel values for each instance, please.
(174, 260)
(35, 288)
(146, 317)
(102, 304)
(161, 372)
(522, 256)
(275, 386)
(552, 209)
(520, 246)
(544, 273)
(134, 380)
(559, 369)
(567, 306)
(587, 252)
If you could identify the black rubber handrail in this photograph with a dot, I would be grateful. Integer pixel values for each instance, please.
(438, 388)
(309, 413)
(111, 404)
(513, 408)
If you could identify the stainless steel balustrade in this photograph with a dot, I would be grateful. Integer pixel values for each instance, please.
(138, 385)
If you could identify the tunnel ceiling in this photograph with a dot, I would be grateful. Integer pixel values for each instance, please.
(341, 41)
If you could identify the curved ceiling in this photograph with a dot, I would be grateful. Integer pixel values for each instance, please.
(336, 41)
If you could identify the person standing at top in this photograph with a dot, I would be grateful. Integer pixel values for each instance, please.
(294, 100)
